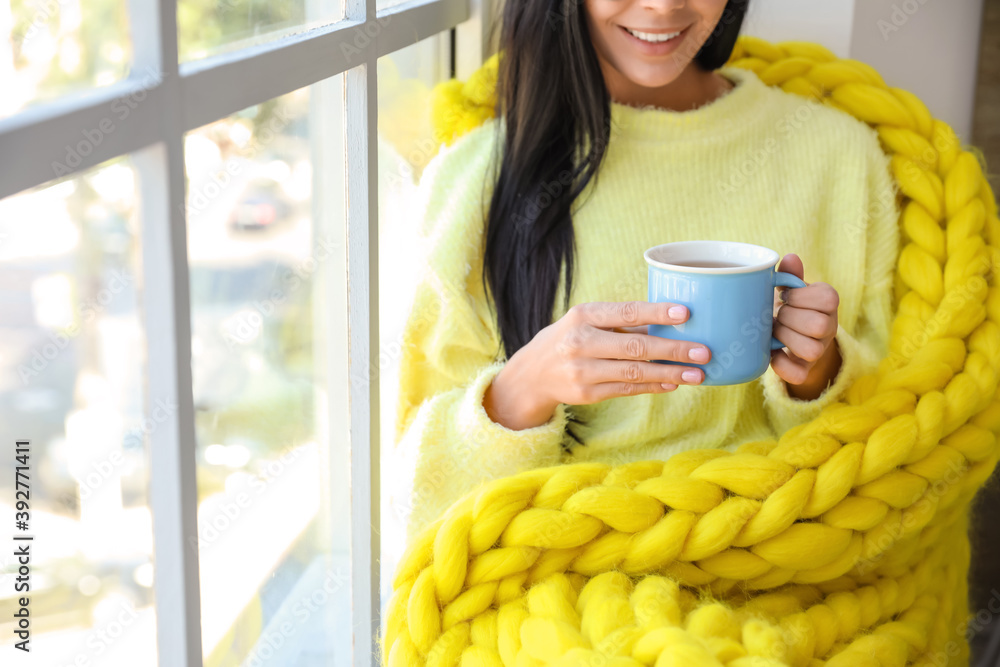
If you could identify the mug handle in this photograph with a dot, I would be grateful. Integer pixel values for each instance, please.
(782, 279)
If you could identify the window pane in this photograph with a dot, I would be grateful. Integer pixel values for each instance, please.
(268, 293)
(207, 27)
(51, 48)
(384, 4)
(406, 145)
(72, 357)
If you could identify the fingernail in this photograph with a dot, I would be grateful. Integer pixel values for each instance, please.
(691, 376)
(698, 354)
(676, 312)
(668, 386)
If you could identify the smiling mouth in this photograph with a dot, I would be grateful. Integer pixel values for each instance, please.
(653, 37)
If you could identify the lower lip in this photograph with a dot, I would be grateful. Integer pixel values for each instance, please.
(658, 48)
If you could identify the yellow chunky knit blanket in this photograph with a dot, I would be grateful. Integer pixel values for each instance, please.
(843, 542)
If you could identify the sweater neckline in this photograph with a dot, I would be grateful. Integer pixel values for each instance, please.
(725, 115)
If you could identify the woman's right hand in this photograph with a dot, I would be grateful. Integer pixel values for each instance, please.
(596, 351)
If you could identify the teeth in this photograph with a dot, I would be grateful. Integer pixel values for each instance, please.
(649, 37)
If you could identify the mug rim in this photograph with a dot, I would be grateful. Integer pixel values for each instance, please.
(749, 268)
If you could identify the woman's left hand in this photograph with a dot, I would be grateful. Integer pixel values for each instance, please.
(806, 322)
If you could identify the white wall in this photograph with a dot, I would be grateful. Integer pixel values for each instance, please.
(928, 47)
(827, 22)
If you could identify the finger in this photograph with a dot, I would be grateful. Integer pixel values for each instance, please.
(599, 371)
(610, 314)
(804, 347)
(811, 323)
(601, 344)
(815, 296)
(606, 390)
(792, 371)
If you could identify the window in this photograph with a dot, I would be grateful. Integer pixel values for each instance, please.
(198, 205)
(209, 28)
(265, 251)
(63, 47)
(73, 348)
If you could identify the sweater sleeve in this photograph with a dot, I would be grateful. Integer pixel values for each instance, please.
(864, 344)
(445, 443)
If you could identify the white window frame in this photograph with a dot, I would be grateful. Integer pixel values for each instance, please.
(179, 97)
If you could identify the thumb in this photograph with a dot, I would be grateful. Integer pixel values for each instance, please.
(791, 263)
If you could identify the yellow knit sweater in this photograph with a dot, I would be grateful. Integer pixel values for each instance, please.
(757, 165)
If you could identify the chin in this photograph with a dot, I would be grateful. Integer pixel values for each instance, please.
(651, 77)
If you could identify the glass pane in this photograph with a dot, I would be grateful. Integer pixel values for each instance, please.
(207, 27)
(384, 4)
(268, 292)
(406, 145)
(72, 352)
(53, 48)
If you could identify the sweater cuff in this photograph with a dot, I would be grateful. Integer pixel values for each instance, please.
(786, 411)
(503, 451)
(453, 446)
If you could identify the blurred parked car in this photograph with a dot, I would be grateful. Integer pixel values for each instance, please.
(262, 204)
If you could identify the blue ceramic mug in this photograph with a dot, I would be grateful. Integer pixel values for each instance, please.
(728, 289)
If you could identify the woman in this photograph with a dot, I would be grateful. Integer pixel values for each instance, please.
(619, 127)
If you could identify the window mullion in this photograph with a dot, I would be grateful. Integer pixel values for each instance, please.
(167, 324)
(472, 38)
(362, 296)
(360, 140)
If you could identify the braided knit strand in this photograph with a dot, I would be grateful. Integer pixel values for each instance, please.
(843, 542)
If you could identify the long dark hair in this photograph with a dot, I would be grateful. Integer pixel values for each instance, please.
(555, 112)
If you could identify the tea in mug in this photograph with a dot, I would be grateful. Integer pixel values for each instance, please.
(706, 264)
